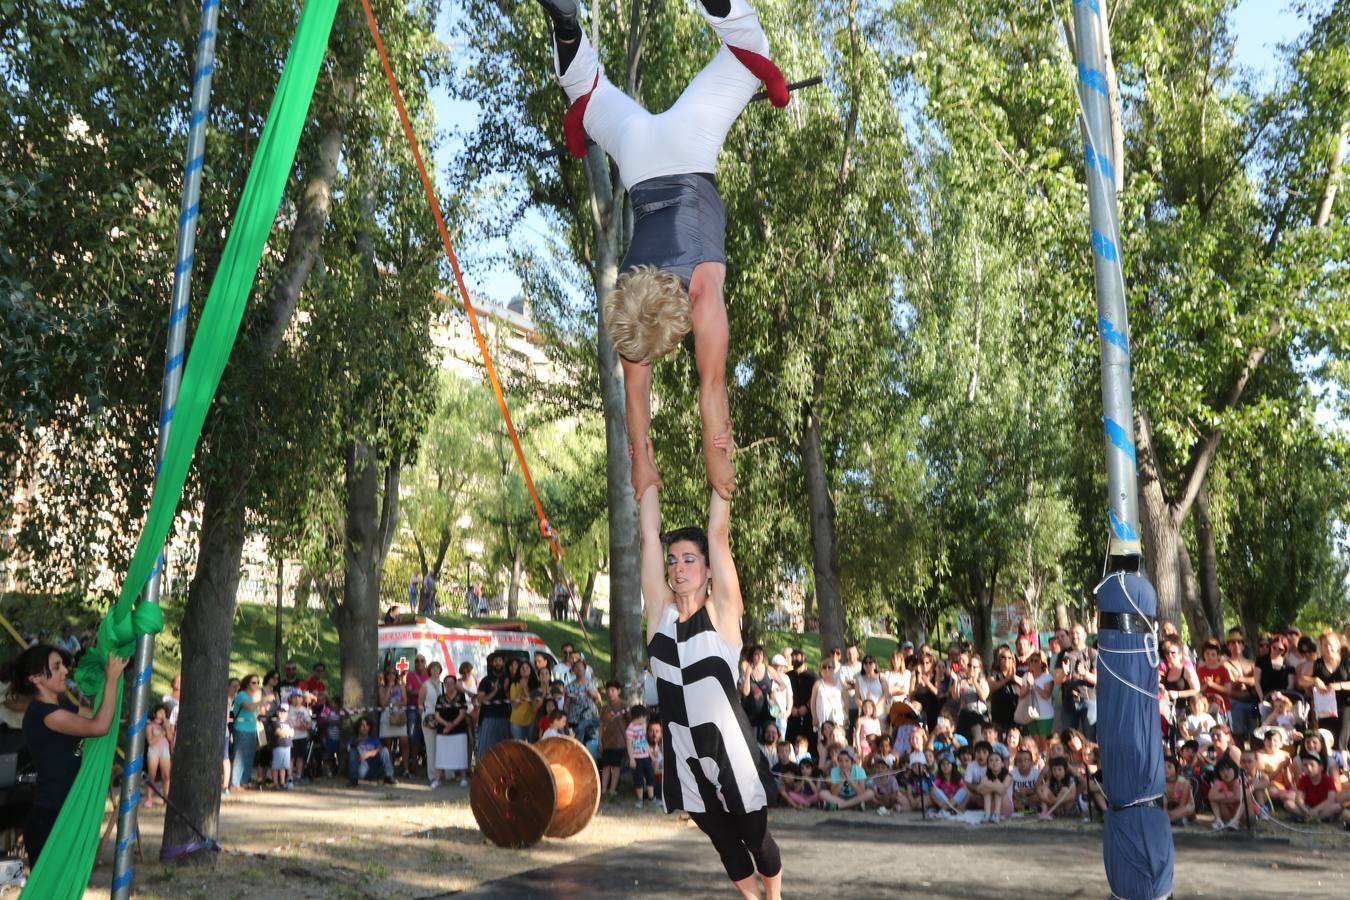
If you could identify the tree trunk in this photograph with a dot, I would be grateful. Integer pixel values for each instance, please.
(1062, 619)
(513, 594)
(1251, 609)
(206, 635)
(208, 622)
(1191, 608)
(627, 648)
(824, 549)
(1160, 531)
(1211, 598)
(982, 613)
(587, 596)
(1161, 541)
(312, 212)
(369, 522)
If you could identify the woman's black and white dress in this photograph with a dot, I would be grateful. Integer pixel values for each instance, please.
(712, 762)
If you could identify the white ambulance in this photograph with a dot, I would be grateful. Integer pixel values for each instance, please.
(412, 636)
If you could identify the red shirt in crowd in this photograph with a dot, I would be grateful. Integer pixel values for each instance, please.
(314, 685)
(1218, 700)
(415, 686)
(1314, 794)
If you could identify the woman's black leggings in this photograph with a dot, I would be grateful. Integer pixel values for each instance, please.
(36, 829)
(1343, 739)
(743, 841)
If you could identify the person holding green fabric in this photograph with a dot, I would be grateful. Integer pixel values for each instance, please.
(54, 729)
(246, 704)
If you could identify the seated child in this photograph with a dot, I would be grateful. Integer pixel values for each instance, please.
(1178, 794)
(994, 788)
(557, 725)
(808, 792)
(1025, 775)
(989, 732)
(787, 772)
(1199, 721)
(1257, 786)
(882, 751)
(1058, 791)
(848, 782)
(1093, 778)
(886, 790)
(949, 793)
(919, 781)
(973, 771)
(1315, 796)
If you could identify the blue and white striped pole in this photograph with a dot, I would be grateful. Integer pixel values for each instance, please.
(143, 667)
(1122, 510)
(1137, 849)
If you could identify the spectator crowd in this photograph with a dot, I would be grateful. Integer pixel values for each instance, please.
(1250, 733)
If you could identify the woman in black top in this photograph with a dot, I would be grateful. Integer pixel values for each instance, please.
(1003, 688)
(1331, 672)
(1276, 673)
(53, 729)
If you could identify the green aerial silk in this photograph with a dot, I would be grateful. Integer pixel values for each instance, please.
(63, 870)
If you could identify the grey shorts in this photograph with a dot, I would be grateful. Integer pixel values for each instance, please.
(679, 222)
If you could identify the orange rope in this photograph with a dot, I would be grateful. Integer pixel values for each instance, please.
(544, 527)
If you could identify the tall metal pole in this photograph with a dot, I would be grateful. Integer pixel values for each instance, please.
(124, 862)
(1112, 324)
(1137, 847)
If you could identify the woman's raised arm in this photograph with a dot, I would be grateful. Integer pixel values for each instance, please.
(656, 594)
(726, 602)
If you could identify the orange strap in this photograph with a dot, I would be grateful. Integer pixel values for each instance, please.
(544, 527)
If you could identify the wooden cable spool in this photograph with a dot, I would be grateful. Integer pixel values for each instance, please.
(521, 792)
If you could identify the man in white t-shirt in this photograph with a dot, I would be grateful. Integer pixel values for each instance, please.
(562, 670)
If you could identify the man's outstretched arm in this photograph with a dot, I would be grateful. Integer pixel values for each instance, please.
(637, 390)
(709, 313)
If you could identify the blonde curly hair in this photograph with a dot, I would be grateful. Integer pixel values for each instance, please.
(647, 314)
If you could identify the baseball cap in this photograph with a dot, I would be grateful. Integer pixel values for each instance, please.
(778, 660)
(917, 758)
(907, 645)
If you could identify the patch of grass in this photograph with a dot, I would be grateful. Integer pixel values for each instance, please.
(376, 869)
(880, 646)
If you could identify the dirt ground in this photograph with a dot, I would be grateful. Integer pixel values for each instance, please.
(329, 840)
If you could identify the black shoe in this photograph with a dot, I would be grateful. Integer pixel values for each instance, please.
(352, 782)
(389, 780)
(564, 15)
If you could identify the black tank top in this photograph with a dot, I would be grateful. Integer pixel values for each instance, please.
(1340, 673)
(55, 755)
(1003, 705)
(1177, 684)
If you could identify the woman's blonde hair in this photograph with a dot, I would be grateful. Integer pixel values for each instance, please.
(647, 314)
